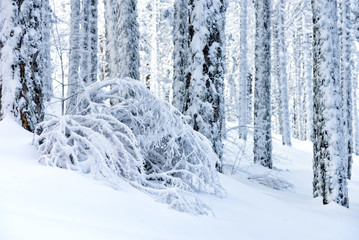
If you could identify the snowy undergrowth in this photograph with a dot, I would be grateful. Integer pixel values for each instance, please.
(140, 139)
(239, 162)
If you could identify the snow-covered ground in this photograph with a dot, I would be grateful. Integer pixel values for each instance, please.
(41, 202)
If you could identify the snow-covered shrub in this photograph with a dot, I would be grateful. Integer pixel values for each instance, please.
(92, 144)
(140, 138)
(174, 154)
(272, 182)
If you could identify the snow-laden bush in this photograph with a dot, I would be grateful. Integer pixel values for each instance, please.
(141, 139)
(94, 144)
(175, 155)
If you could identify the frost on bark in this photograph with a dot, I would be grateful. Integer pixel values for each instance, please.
(243, 105)
(262, 116)
(128, 39)
(329, 163)
(346, 78)
(22, 93)
(74, 58)
(355, 104)
(206, 70)
(286, 139)
(46, 51)
(355, 11)
(307, 69)
(89, 41)
(180, 54)
(280, 56)
(1, 77)
(122, 38)
(111, 41)
(277, 125)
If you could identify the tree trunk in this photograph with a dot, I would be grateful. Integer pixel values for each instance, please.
(262, 116)
(330, 163)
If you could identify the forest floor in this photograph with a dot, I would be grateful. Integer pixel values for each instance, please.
(41, 202)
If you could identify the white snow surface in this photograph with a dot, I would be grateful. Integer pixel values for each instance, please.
(42, 202)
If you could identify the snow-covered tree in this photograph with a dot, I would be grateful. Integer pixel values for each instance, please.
(298, 62)
(251, 59)
(262, 115)
(355, 31)
(89, 41)
(286, 140)
(277, 125)
(111, 39)
(46, 49)
(128, 36)
(330, 162)
(346, 77)
(205, 103)
(307, 68)
(85, 42)
(21, 61)
(355, 105)
(122, 38)
(74, 58)
(1, 77)
(355, 10)
(243, 105)
(281, 74)
(180, 54)
(93, 45)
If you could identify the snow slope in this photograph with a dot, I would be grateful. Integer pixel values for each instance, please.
(41, 202)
